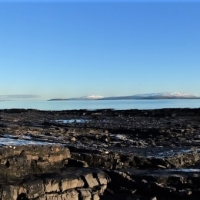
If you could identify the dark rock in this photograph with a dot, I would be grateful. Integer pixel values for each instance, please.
(148, 154)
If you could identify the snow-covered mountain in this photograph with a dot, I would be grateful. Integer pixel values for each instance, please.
(169, 95)
(90, 97)
(162, 95)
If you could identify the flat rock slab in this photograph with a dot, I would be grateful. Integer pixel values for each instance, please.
(17, 161)
(117, 158)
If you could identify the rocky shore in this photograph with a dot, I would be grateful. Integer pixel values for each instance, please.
(100, 154)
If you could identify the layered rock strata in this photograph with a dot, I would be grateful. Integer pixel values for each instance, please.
(46, 172)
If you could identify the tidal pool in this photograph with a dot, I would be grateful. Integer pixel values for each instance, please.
(9, 140)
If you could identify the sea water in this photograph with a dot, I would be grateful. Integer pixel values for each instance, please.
(101, 104)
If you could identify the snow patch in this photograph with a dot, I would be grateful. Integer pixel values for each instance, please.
(168, 94)
(90, 97)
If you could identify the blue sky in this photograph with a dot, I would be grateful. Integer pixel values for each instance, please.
(74, 48)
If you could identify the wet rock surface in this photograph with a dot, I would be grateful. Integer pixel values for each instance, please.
(100, 154)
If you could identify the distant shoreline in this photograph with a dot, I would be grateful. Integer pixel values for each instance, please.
(147, 98)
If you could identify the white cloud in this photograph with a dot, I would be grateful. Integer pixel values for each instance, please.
(18, 96)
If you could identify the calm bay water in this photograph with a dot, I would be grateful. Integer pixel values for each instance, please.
(102, 104)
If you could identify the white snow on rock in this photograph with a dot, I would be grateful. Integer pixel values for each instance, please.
(168, 94)
(91, 97)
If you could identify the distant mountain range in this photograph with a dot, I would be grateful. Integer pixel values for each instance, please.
(163, 95)
(91, 97)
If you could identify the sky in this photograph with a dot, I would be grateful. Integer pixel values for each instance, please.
(62, 49)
